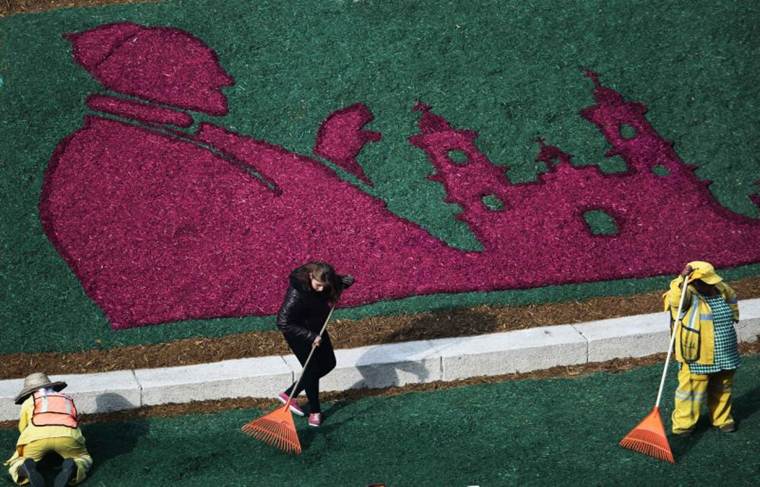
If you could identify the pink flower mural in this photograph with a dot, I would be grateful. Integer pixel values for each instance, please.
(161, 224)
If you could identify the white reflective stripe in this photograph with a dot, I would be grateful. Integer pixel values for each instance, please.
(694, 306)
(694, 309)
(44, 407)
(68, 407)
(690, 396)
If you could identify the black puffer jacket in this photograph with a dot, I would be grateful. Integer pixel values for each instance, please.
(303, 312)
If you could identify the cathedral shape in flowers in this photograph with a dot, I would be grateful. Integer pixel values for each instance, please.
(162, 224)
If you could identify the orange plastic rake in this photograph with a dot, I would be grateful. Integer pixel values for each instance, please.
(648, 437)
(277, 428)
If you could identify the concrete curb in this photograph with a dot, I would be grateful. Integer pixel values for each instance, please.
(379, 366)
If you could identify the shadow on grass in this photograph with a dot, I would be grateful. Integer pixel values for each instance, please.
(682, 444)
(383, 377)
(744, 406)
(308, 434)
(112, 439)
(747, 404)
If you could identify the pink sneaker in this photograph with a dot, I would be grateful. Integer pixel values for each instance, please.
(283, 398)
(315, 419)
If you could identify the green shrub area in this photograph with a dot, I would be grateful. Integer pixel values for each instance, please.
(530, 432)
(509, 70)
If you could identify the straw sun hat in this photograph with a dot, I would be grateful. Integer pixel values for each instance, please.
(35, 381)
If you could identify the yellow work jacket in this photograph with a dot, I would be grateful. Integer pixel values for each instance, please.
(695, 333)
(30, 432)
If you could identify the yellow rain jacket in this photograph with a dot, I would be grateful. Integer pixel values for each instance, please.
(695, 334)
(35, 441)
(30, 432)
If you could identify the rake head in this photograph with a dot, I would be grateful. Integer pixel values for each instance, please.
(276, 429)
(649, 438)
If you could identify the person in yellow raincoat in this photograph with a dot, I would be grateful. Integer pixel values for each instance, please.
(47, 423)
(705, 347)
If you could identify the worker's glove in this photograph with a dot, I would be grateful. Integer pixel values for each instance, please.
(346, 281)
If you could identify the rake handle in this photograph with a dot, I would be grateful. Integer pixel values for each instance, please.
(308, 359)
(672, 340)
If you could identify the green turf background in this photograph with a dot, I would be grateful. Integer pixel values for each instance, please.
(508, 69)
(552, 432)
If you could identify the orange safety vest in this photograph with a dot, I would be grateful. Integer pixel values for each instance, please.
(54, 409)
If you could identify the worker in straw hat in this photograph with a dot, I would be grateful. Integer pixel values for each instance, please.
(705, 347)
(48, 423)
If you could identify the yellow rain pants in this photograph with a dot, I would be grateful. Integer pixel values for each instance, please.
(693, 390)
(66, 447)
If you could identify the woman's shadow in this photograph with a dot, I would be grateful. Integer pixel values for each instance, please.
(407, 365)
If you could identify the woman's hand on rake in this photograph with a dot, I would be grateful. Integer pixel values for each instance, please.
(317, 341)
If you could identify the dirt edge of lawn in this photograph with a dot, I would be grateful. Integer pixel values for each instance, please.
(472, 321)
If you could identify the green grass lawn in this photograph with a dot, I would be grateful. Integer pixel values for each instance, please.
(507, 69)
(529, 432)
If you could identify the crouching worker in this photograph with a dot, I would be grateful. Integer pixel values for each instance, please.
(48, 423)
(705, 347)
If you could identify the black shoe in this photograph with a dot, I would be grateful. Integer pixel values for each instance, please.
(728, 428)
(67, 471)
(30, 469)
(684, 433)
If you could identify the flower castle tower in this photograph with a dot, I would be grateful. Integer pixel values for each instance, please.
(654, 203)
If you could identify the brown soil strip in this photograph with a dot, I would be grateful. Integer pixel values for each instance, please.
(11, 7)
(209, 407)
(345, 334)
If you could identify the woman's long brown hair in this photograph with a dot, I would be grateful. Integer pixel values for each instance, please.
(322, 272)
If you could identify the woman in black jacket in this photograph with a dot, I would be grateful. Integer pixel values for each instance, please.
(314, 288)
